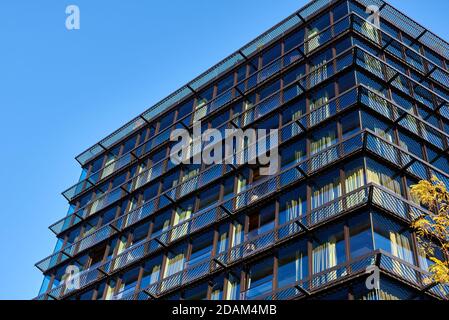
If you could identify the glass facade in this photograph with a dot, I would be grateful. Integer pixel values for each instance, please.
(362, 114)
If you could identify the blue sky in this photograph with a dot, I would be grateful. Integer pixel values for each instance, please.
(61, 91)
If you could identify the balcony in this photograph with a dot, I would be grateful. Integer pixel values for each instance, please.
(342, 62)
(229, 96)
(367, 195)
(389, 13)
(371, 194)
(380, 147)
(356, 268)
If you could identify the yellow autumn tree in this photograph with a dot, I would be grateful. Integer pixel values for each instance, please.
(432, 230)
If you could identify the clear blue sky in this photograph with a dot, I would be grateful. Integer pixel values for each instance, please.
(61, 91)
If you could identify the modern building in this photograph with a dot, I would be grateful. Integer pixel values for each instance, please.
(361, 102)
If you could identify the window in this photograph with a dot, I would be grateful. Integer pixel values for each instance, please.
(140, 233)
(161, 223)
(346, 82)
(260, 279)
(271, 54)
(225, 84)
(354, 176)
(223, 239)
(128, 282)
(318, 69)
(361, 237)
(237, 233)
(209, 197)
(294, 75)
(217, 285)
(151, 272)
(394, 239)
(328, 252)
(261, 222)
(294, 112)
(293, 205)
(201, 248)
(381, 175)
(312, 40)
(293, 264)
(371, 31)
(228, 185)
(200, 110)
(340, 11)
(350, 124)
(196, 293)
(269, 90)
(327, 189)
(294, 40)
(293, 154)
(175, 263)
(182, 214)
(323, 139)
(410, 144)
(232, 286)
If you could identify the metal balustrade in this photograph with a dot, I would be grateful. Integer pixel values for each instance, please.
(371, 193)
(265, 241)
(129, 219)
(389, 74)
(344, 60)
(375, 144)
(401, 158)
(403, 118)
(223, 66)
(436, 73)
(257, 78)
(415, 30)
(206, 217)
(352, 269)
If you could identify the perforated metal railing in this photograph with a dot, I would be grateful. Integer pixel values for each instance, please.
(434, 135)
(368, 97)
(343, 61)
(398, 79)
(392, 15)
(382, 148)
(416, 31)
(387, 263)
(150, 207)
(314, 283)
(405, 119)
(378, 196)
(394, 46)
(435, 73)
(257, 78)
(267, 240)
(207, 217)
(223, 66)
(379, 146)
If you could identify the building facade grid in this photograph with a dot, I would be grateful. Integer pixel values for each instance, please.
(363, 114)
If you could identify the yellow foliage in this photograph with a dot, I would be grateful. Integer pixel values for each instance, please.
(432, 230)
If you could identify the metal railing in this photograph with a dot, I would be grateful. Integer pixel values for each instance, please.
(296, 19)
(342, 61)
(382, 148)
(387, 263)
(229, 96)
(372, 193)
(437, 73)
(412, 28)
